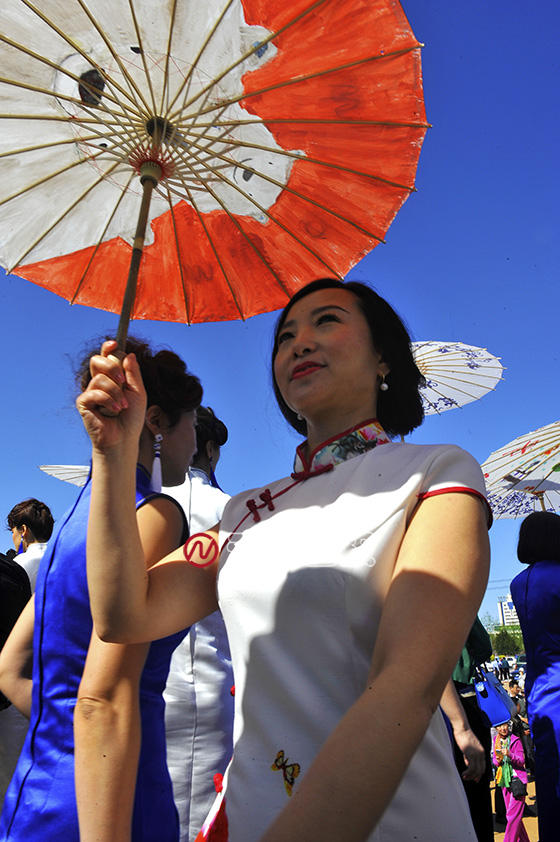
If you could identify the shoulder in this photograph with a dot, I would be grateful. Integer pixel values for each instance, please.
(209, 492)
(32, 555)
(422, 456)
(444, 464)
(518, 583)
(430, 452)
(444, 469)
(166, 507)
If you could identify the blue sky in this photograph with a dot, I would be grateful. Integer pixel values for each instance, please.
(472, 256)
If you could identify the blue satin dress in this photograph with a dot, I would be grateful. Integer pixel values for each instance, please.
(536, 594)
(40, 804)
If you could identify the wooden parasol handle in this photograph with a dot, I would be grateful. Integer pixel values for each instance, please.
(540, 495)
(150, 174)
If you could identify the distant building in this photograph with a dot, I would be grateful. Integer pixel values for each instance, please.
(507, 615)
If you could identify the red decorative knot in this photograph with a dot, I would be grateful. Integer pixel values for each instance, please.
(253, 508)
(266, 497)
(312, 472)
(218, 782)
(201, 550)
(232, 690)
(152, 155)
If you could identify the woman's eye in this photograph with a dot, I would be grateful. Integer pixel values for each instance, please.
(282, 337)
(327, 317)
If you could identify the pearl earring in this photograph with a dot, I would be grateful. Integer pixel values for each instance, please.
(299, 416)
(383, 386)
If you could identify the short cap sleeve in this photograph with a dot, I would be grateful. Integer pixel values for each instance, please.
(453, 470)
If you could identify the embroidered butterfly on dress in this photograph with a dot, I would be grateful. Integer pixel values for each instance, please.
(290, 771)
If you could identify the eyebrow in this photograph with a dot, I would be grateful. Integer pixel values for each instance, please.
(315, 312)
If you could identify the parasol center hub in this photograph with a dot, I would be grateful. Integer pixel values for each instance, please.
(150, 171)
(159, 128)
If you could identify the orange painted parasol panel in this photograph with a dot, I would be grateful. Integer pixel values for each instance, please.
(287, 134)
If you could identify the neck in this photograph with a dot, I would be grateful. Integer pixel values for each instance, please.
(322, 430)
(146, 453)
(28, 540)
(203, 465)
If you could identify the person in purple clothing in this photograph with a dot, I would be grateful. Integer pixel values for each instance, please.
(536, 594)
(510, 762)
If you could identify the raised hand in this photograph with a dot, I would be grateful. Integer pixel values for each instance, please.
(113, 407)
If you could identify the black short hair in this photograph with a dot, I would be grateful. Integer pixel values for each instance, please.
(539, 538)
(35, 515)
(513, 682)
(399, 409)
(209, 428)
(167, 381)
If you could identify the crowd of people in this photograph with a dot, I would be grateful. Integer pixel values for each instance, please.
(253, 669)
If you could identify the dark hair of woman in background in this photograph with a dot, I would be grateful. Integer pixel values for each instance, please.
(34, 515)
(89, 700)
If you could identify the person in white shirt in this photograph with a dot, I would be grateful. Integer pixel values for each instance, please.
(31, 525)
(199, 695)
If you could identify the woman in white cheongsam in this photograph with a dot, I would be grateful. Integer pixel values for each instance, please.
(347, 588)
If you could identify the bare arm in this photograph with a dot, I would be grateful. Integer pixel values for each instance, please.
(438, 582)
(467, 741)
(127, 604)
(107, 726)
(16, 661)
(107, 736)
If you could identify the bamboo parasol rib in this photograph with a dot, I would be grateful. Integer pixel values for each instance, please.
(140, 113)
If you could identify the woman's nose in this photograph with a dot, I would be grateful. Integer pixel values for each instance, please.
(303, 344)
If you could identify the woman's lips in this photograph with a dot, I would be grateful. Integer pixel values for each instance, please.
(304, 369)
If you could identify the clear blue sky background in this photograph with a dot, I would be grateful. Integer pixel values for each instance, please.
(473, 256)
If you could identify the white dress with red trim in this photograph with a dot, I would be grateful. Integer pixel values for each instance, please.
(305, 567)
(198, 693)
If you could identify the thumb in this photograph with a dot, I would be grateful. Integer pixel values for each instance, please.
(133, 375)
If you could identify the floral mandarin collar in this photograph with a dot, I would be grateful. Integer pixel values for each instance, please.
(350, 443)
(353, 442)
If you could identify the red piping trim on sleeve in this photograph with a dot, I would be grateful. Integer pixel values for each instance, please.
(459, 489)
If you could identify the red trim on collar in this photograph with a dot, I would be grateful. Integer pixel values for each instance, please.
(307, 473)
(307, 463)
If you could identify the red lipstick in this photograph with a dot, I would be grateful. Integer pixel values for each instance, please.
(303, 369)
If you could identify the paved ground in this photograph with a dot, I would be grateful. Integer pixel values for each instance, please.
(529, 822)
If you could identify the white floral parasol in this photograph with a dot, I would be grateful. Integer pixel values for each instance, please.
(455, 374)
(524, 475)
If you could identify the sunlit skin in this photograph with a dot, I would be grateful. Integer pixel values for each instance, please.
(16, 537)
(328, 370)
(326, 367)
(178, 444)
(22, 536)
(178, 448)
